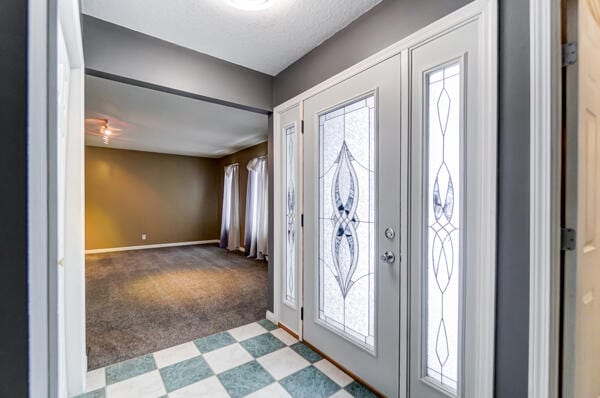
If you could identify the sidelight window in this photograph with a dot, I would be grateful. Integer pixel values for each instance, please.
(443, 233)
(290, 213)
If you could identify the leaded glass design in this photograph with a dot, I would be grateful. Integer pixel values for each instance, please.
(443, 218)
(346, 221)
(290, 173)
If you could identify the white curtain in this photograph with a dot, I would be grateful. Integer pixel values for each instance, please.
(256, 241)
(230, 224)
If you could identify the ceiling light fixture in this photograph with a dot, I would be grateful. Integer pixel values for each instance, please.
(250, 5)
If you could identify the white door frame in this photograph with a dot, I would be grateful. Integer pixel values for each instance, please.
(74, 230)
(545, 164)
(44, 374)
(37, 224)
(486, 11)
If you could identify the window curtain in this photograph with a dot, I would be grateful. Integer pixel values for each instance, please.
(230, 220)
(256, 232)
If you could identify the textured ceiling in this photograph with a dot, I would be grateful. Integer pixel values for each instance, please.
(154, 121)
(267, 40)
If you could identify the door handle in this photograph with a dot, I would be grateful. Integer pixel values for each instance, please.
(388, 257)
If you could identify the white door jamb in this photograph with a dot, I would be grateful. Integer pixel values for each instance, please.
(544, 294)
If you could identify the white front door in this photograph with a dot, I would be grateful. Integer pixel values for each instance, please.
(352, 222)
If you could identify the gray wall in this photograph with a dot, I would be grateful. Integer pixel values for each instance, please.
(122, 52)
(13, 199)
(128, 193)
(389, 22)
(383, 25)
(512, 307)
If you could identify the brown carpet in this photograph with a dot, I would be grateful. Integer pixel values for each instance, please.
(143, 301)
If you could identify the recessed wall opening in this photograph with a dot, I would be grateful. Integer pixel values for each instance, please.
(176, 209)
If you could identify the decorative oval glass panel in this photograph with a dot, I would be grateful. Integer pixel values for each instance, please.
(442, 270)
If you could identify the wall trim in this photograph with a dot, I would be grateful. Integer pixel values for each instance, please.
(271, 317)
(73, 343)
(481, 382)
(544, 293)
(154, 246)
(481, 360)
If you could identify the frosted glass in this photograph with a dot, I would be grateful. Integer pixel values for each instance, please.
(346, 221)
(443, 229)
(290, 173)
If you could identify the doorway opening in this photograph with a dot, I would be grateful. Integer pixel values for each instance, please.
(174, 189)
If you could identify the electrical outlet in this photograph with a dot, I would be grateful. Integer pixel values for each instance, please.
(144, 236)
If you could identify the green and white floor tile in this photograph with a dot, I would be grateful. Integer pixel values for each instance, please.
(256, 360)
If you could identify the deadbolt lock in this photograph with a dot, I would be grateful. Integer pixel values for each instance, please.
(388, 257)
(390, 233)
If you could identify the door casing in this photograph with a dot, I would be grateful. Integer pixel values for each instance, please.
(44, 323)
(545, 169)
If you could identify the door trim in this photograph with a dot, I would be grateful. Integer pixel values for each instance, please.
(545, 143)
(45, 377)
(482, 385)
(485, 11)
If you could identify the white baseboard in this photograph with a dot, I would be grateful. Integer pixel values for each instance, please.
(242, 249)
(156, 246)
(271, 317)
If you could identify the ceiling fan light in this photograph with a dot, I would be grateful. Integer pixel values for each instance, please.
(250, 5)
(107, 132)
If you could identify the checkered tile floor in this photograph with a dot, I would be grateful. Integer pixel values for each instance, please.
(256, 360)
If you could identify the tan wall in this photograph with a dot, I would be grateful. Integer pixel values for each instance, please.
(171, 198)
(242, 157)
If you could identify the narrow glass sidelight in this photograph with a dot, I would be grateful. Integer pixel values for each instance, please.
(443, 230)
(346, 221)
(290, 242)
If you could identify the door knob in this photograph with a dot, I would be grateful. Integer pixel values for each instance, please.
(388, 257)
(390, 233)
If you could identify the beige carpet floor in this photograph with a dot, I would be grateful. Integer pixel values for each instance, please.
(143, 301)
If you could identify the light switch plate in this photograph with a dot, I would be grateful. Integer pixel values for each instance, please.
(144, 236)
